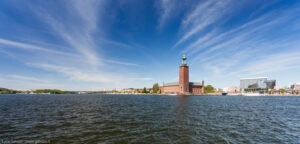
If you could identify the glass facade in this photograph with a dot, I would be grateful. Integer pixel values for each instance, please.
(256, 84)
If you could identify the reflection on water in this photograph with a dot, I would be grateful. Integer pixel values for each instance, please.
(181, 117)
(149, 119)
(182, 107)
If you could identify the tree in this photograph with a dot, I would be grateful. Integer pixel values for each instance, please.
(281, 90)
(155, 88)
(144, 90)
(270, 92)
(208, 89)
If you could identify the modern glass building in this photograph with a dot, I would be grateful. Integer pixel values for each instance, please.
(252, 84)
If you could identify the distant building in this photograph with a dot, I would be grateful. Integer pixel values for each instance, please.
(296, 87)
(184, 86)
(232, 89)
(254, 84)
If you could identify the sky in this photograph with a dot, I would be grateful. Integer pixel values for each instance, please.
(108, 44)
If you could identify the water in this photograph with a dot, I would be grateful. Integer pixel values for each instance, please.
(149, 119)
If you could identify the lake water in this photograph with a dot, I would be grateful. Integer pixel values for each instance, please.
(149, 119)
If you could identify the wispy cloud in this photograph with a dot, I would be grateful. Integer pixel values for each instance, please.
(20, 84)
(240, 35)
(26, 78)
(76, 74)
(166, 9)
(31, 47)
(116, 43)
(247, 36)
(78, 29)
(274, 63)
(202, 16)
(122, 63)
(142, 79)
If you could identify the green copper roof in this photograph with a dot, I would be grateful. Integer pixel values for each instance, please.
(172, 84)
(177, 83)
(196, 83)
(184, 60)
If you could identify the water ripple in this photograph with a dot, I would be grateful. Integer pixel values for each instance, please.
(150, 119)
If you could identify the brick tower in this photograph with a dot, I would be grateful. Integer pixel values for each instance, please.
(184, 77)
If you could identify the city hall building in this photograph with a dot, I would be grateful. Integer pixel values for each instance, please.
(184, 86)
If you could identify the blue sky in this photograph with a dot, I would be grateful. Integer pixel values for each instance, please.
(98, 44)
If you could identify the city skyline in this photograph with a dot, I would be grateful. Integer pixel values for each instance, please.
(94, 45)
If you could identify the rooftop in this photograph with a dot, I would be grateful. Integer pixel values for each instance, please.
(171, 84)
(196, 83)
(254, 78)
(177, 83)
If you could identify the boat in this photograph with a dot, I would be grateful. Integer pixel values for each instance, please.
(224, 93)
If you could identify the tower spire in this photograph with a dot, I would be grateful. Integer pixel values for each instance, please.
(184, 60)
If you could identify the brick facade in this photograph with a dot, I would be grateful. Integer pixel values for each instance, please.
(169, 89)
(184, 79)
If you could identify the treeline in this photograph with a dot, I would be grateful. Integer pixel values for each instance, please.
(8, 91)
(52, 91)
(38, 91)
(153, 90)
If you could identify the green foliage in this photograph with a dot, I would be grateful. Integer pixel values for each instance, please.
(209, 89)
(155, 88)
(145, 90)
(281, 90)
(52, 91)
(8, 91)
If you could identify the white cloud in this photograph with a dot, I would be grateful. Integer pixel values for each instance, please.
(202, 16)
(78, 29)
(88, 11)
(142, 79)
(31, 47)
(76, 74)
(249, 36)
(214, 36)
(18, 84)
(122, 63)
(116, 43)
(166, 9)
(270, 64)
(26, 78)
